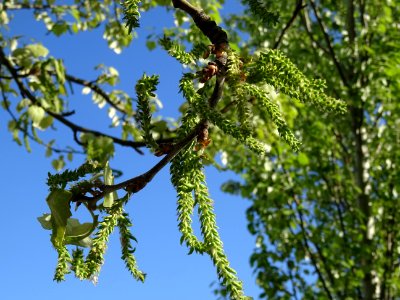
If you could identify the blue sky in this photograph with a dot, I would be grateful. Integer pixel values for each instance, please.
(26, 257)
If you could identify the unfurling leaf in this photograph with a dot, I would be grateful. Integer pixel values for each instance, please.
(79, 234)
(109, 180)
(36, 113)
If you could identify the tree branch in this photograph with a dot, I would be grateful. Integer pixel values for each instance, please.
(218, 37)
(137, 183)
(95, 88)
(329, 44)
(74, 127)
(210, 29)
(19, 6)
(299, 6)
(29, 135)
(351, 22)
(306, 23)
(308, 249)
(390, 221)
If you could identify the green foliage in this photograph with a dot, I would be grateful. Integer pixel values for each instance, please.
(78, 264)
(98, 148)
(59, 204)
(95, 257)
(245, 90)
(68, 230)
(184, 184)
(320, 218)
(216, 118)
(274, 68)
(175, 50)
(109, 198)
(261, 11)
(323, 204)
(237, 132)
(234, 67)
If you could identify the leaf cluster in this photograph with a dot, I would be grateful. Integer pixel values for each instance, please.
(274, 68)
(67, 230)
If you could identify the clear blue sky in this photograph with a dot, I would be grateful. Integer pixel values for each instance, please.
(27, 259)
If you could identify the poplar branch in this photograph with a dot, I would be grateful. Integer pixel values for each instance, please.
(29, 135)
(97, 89)
(210, 29)
(135, 184)
(24, 91)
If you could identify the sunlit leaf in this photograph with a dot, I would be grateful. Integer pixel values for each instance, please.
(109, 180)
(59, 204)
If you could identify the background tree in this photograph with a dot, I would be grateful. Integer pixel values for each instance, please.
(250, 98)
(326, 219)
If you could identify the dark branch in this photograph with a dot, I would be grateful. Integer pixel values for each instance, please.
(297, 9)
(329, 44)
(306, 23)
(215, 34)
(137, 183)
(74, 127)
(95, 88)
(351, 28)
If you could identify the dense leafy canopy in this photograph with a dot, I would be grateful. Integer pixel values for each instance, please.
(326, 219)
(262, 90)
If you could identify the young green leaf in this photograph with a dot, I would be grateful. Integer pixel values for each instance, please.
(59, 203)
(109, 180)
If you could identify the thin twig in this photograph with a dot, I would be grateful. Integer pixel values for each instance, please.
(19, 6)
(327, 38)
(306, 23)
(307, 246)
(95, 88)
(299, 6)
(74, 127)
(339, 139)
(306, 238)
